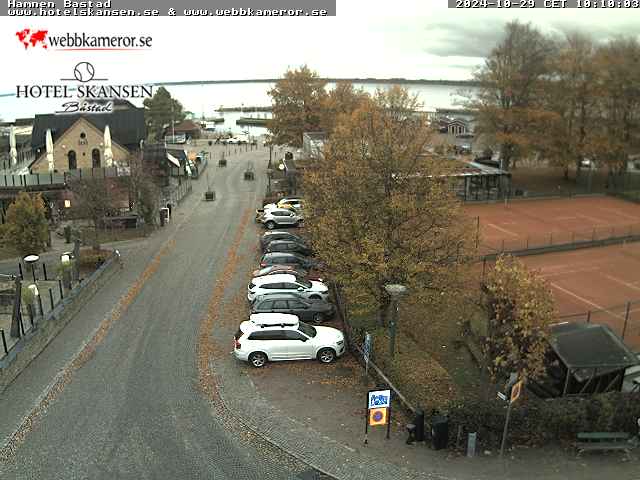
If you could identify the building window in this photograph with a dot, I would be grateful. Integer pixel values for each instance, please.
(73, 163)
(83, 135)
(95, 158)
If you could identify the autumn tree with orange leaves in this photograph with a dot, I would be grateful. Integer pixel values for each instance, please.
(508, 100)
(297, 102)
(521, 308)
(382, 211)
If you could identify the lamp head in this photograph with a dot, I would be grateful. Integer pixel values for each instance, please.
(395, 290)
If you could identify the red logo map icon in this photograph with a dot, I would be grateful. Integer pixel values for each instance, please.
(27, 37)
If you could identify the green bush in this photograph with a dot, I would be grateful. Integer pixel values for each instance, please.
(27, 295)
(536, 422)
(92, 258)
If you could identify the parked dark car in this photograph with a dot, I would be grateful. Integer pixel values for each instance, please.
(272, 235)
(307, 310)
(282, 258)
(288, 246)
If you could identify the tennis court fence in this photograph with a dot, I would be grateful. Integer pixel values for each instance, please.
(623, 319)
(560, 240)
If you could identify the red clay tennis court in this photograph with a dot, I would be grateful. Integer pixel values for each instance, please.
(528, 224)
(604, 281)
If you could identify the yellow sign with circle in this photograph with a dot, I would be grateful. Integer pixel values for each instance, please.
(378, 416)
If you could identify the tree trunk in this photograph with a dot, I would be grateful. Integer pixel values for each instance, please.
(383, 308)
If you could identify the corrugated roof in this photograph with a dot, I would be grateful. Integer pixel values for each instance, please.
(127, 126)
(586, 347)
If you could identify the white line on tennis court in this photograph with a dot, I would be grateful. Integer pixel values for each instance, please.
(621, 214)
(503, 230)
(592, 219)
(568, 292)
(622, 282)
(570, 272)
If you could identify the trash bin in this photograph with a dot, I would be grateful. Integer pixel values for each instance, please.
(440, 432)
(164, 216)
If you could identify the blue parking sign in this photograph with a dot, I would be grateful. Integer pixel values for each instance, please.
(379, 399)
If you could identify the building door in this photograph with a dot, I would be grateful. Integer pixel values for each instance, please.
(95, 158)
(73, 162)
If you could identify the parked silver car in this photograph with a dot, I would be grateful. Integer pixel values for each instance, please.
(280, 217)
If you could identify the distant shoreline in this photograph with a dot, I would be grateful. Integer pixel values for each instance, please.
(458, 83)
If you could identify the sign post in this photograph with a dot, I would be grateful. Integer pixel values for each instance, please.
(366, 353)
(378, 411)
(515, 394)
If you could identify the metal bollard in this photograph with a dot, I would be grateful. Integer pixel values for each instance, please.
(471, 445)
(411, 430)
(418, 421)
(51, 298)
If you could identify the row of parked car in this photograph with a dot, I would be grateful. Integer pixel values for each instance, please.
(287, 212)
(288, 300)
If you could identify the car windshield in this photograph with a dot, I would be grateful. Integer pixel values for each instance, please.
(307, 329)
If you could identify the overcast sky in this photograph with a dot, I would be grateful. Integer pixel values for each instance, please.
(401, 38)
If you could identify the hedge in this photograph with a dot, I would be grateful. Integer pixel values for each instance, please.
(536, 422)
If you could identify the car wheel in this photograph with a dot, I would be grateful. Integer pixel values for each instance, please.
(315, 297)
(270, 225)
(257, 359)
(318, 317)
(326, 355)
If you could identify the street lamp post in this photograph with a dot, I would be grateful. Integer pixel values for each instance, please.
(395, 291)
(269, 175)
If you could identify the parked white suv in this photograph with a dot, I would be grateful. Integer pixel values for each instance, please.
(275, 217)
(286, 283)
(270, 337)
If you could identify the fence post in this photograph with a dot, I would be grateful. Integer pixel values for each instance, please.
(40, 304)
(51, 298)
(4, 342)
(20, 270)
(589, 316)
(626, 319)
(44, 270)
(60, 287)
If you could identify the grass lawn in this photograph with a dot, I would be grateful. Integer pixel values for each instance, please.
(113, 235)
(551, 180)
(442, 339)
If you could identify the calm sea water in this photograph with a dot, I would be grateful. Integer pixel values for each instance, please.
(207, 99)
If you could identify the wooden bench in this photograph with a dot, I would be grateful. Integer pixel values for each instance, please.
(592, 441)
